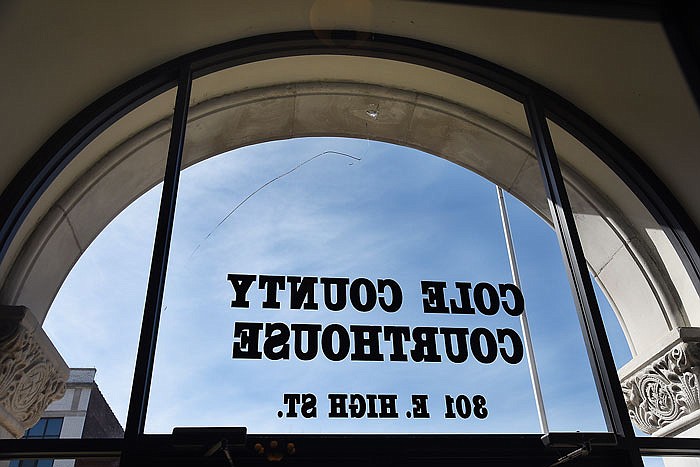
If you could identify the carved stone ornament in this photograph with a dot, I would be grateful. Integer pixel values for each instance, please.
(665, 390)
(32, 373)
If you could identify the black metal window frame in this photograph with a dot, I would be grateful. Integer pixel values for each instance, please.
(619, 447)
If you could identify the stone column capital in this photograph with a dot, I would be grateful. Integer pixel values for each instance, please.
(662, 391)
(32, 372)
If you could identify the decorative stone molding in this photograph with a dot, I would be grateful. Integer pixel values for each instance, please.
(32, 373)
(665, 392)
(633, 261)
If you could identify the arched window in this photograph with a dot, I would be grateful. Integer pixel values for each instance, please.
(611, 222)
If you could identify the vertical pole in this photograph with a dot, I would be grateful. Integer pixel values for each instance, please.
(529, 351)
(599, 354)
(136, 418)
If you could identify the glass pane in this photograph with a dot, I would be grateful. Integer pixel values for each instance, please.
(331, 226)
(645, 294)
(564, 371)
(53, 427)
(671, 461)
(442, 223)
(336, 285)
(80, 462)
(37, 431)
(94, 320)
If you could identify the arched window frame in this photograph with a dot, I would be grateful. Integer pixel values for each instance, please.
(540, 104)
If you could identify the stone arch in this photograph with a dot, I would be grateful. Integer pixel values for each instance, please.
(646, 302)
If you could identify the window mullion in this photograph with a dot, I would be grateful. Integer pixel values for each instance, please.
(156, 282)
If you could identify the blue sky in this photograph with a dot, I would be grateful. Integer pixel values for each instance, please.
(395, 213)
